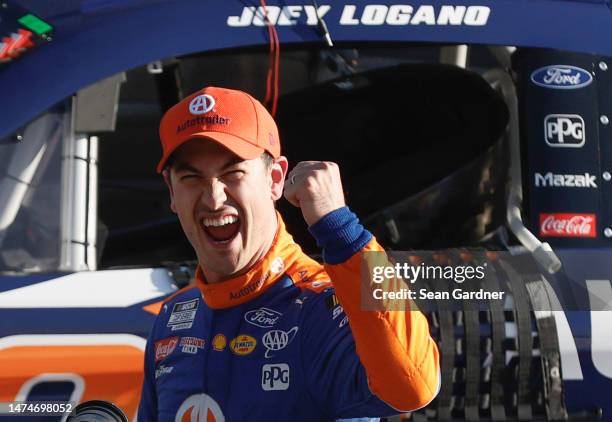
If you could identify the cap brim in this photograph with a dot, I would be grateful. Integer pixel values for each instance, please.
(236, 145)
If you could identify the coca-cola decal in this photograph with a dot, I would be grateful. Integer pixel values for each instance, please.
(567, 225)
(560, 76)
(165, 347)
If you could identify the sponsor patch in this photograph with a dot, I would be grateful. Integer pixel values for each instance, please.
(567, 225)
(560, 76)
(277, 266)
(331, 301)
(183, 314)
(165, 347)
(564, 131)
(201, 104)
(191, 344)
(343, 322)
(275, 377)
(337, 312)
(275, 340)
(201, 121)
(219, 342)
(163, 370)
(262, 317)
(243, 344)
(249, 288)
(550, 179)
(199, 408)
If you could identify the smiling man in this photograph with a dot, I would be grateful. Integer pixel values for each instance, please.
(266, 333)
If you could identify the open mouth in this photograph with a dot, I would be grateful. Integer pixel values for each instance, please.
(221, 229)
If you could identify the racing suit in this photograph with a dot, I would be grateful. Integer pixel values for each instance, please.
(283, 343)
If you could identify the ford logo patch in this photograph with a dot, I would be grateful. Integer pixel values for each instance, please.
(561, 76)
(262, 317)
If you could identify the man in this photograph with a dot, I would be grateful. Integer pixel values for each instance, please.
(262, 335)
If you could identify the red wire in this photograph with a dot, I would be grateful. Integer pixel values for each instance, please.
(270, 56)
(276, 72)
(273, 64)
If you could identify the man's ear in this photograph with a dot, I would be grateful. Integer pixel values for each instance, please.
(278, 171)
(168, 180)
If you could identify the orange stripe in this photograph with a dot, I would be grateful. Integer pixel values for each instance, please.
(110, 372)
(154, 308)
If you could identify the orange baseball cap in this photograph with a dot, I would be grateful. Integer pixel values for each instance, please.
(229, 117)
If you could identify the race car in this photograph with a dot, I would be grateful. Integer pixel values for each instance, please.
(478, 125)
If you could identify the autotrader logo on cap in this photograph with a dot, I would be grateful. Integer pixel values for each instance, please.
(201, 104)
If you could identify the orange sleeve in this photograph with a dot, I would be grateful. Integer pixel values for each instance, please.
(400, 357)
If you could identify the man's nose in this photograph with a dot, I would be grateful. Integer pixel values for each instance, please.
(213, 195)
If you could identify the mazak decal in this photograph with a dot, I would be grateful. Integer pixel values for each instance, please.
(561, 76)
(262, 317)
(191, 344)
(183, 314)
(275, 340)
(564, 131)
(567, 225)
(275, 377)
(165, 347)
(370, 15)
(550, 179)
(243, 344)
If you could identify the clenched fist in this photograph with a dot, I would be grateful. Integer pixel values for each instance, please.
(315, 187)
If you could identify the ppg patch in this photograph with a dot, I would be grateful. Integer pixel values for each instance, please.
(183, 314)
(331, 301)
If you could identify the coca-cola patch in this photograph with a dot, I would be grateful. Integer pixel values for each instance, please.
(568, 225)
(165, 347)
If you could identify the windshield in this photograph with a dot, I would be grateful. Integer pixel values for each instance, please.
(30, 192)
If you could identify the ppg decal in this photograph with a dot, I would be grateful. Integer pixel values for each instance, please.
(564, 131)
(275, 377)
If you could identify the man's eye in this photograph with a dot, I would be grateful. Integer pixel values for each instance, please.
(188, 176)
(234, 175)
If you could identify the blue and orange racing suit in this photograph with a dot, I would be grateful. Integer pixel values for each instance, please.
(283, 343)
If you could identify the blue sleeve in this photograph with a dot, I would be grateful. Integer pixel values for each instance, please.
(340, 234)
(335, 377)
(147, 409)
